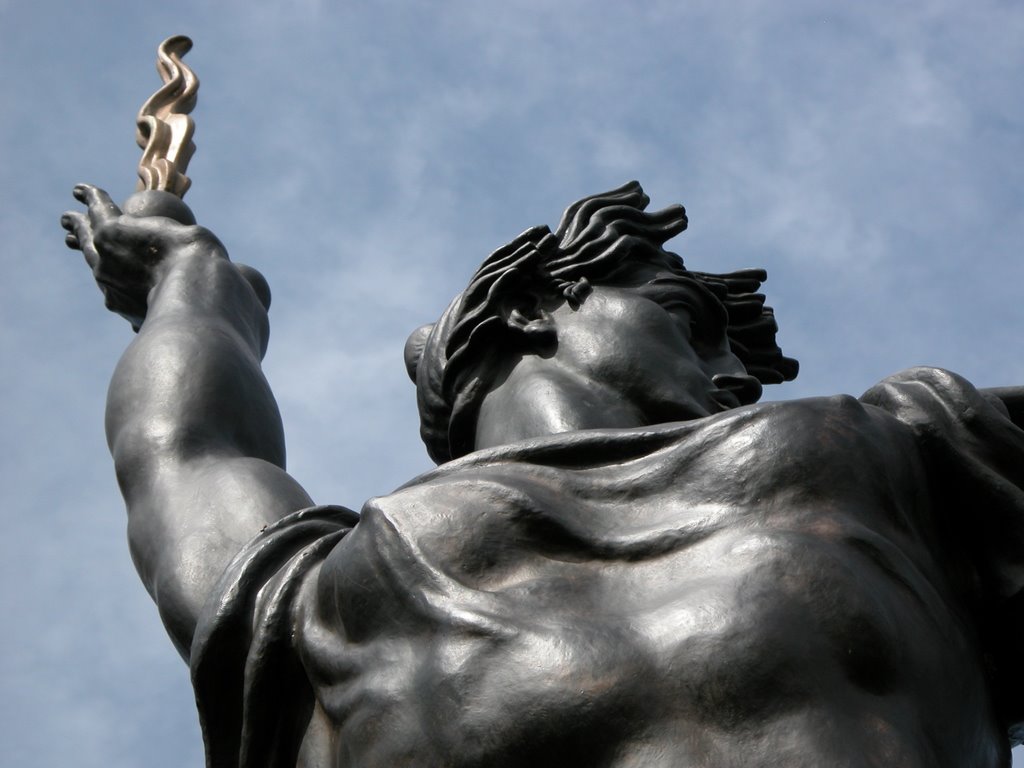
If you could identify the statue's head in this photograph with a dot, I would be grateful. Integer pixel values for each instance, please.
(609, 246)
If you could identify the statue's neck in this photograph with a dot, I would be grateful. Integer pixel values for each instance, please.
(539, 398)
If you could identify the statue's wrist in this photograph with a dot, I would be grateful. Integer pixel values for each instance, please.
(193, 256)
(195, 275)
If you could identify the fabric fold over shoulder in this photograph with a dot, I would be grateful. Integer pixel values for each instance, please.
(253, 696)
(976, 455)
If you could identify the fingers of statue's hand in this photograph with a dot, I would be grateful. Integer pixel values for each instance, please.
(69, 223)
(115, 250)
(82, 227)
(79, 236)
(101, 207)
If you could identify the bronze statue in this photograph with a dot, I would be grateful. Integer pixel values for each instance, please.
(622, 559)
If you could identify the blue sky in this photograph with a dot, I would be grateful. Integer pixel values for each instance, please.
(366, 157)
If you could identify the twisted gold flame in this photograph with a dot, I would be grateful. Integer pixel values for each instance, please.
(163, 127)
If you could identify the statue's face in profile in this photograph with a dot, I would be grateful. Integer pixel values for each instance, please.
(655, 342)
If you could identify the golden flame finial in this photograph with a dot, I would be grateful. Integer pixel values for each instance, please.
(163, 128)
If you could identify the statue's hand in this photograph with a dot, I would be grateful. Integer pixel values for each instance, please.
(126, 253)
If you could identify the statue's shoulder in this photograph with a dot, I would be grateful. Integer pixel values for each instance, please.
(914, 392)
(939, 379)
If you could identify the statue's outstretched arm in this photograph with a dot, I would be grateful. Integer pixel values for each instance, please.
(191, 422)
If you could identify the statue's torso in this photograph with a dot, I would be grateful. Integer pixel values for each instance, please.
(762, 588)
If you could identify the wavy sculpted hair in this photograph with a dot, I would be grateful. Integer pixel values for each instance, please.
(599, 240)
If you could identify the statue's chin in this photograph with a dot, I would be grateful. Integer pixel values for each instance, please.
(155, 202)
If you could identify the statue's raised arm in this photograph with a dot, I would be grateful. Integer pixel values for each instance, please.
(191, 422)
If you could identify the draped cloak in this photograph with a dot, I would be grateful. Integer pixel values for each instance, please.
(542, 592)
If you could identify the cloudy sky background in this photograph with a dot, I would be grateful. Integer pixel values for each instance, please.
(366, 157)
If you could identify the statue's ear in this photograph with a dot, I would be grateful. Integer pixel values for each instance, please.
(414, 347)
(535, 329)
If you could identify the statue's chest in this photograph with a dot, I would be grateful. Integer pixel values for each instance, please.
(578, 662)
(513, 614)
